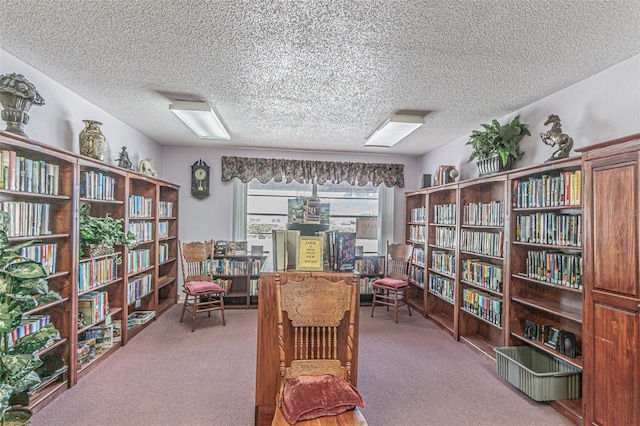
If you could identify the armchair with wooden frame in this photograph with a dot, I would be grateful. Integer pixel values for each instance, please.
(202, 294)
(390, 290)
(315, 358)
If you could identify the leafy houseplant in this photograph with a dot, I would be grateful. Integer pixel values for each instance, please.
(106, 231)
(22, 288)
(498, 140)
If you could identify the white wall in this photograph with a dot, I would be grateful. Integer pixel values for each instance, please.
(602, 107)
(212, 217)
(59, 121)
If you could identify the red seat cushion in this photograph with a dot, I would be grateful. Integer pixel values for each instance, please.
(202, 286)
(309, 397)
(390, 282)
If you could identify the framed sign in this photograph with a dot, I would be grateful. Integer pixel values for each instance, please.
(367, 228)
(309, 254)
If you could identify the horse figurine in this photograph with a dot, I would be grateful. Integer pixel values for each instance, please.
(555, 137)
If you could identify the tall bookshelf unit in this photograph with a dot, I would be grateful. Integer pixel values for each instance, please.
(167, 246)
(546, 259)
(481, 244)
(239, 274)
(45, 211)
(441, 260)
(103, 188)
(369, 267)
(415, 234)
(141, 262)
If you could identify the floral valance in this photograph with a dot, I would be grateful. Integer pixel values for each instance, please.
(306, 171)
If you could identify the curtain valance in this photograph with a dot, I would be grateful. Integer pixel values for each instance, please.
(306, 171)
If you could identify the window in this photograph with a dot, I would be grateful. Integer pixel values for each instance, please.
(351, 206)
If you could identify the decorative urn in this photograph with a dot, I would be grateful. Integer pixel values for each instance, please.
(17, 95)
(92, 141)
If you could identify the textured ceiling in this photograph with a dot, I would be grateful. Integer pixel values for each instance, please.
(318, 75)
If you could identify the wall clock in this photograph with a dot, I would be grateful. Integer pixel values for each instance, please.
(200, 179)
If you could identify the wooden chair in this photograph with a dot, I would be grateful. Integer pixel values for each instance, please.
(390, 290)
(201, 293)
(314, 384)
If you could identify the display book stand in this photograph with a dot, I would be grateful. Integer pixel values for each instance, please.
(486, 277)
(49, 214)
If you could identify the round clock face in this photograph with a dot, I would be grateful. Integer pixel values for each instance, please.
(200, 174)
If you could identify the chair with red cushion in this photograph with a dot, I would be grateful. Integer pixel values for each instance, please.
(315, 383)
(201, 293)
(390, 290)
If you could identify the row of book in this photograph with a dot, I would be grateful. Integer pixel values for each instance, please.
(28, 324)
(95, 272)
(370, 265)
(27, 219)
(163, 252)
(445, 237)
(550, 228)
(138, 259)
(444, 214)
(165, 209)
(416, 233)
(28, 175)
(340, 250)
(482, 274)
(225, 283)
(416, 276)
(444, 262)
(97, 186)
(143, 230)
(366, 285)
(555, 267)
(230, 267)
(140, 206)
(417, 214)
(95, 341)
(482, 242)
(483, 305)
(163, 229)
(230, 248)
(563, 189)
(441, 286)
(418, 256)
(138, 286)
(45, 254)
(483, 214)
(93, 307)
(254, 287)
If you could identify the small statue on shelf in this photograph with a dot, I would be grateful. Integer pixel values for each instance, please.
(123, 159)
(555, 137)
(146, 167)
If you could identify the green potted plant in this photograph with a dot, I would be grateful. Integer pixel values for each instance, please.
(497, 146)
(98, 235)
(22, 288)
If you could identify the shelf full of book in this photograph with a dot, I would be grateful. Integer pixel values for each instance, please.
(237, 271)
(37, 191)
(167, 246)
(369, 267)
(415, 234)
(442, 218)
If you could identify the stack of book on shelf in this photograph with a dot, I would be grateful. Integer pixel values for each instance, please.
(139, 318)
(95, 341)
(93, 307)
(340, 250)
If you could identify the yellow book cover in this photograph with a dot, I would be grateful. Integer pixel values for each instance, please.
(309, 253)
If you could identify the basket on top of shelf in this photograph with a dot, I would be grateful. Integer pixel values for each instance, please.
(98, 235)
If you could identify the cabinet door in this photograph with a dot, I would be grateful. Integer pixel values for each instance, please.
(612, 292)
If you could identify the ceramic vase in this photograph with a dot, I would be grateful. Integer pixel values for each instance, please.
(92, 141)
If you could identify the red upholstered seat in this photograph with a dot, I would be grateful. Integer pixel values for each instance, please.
(202, 286)
(391, 283)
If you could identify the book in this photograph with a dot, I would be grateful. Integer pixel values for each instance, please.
(325, 213)
(279, 239)
(313, 211)
(117, 330)
(292, 247)
(220, 248)
(295, 210)
(346, 251)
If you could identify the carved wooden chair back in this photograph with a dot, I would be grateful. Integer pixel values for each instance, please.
(398, 261)
(315, 309)
(197, 258)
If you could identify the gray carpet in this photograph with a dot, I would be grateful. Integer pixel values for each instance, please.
(411, 373)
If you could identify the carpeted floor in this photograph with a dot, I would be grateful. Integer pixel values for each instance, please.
(411, 373)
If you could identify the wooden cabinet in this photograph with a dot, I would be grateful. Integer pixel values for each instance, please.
(415, 234)
(611, 338)
(441, 257)
(481, 244)
(545, 274)
(37, 190)
(268, 357)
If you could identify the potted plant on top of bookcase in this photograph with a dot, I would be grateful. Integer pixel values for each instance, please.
(497, 146)
(22, 288)
(98, 235)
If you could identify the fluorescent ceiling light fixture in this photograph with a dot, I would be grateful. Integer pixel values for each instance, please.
(201, 119)
(396, 128)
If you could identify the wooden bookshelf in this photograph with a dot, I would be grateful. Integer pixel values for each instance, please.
(415, 234)
(369, 267)
(167, 246)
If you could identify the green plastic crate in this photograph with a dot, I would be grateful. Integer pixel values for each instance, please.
(540, 376)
